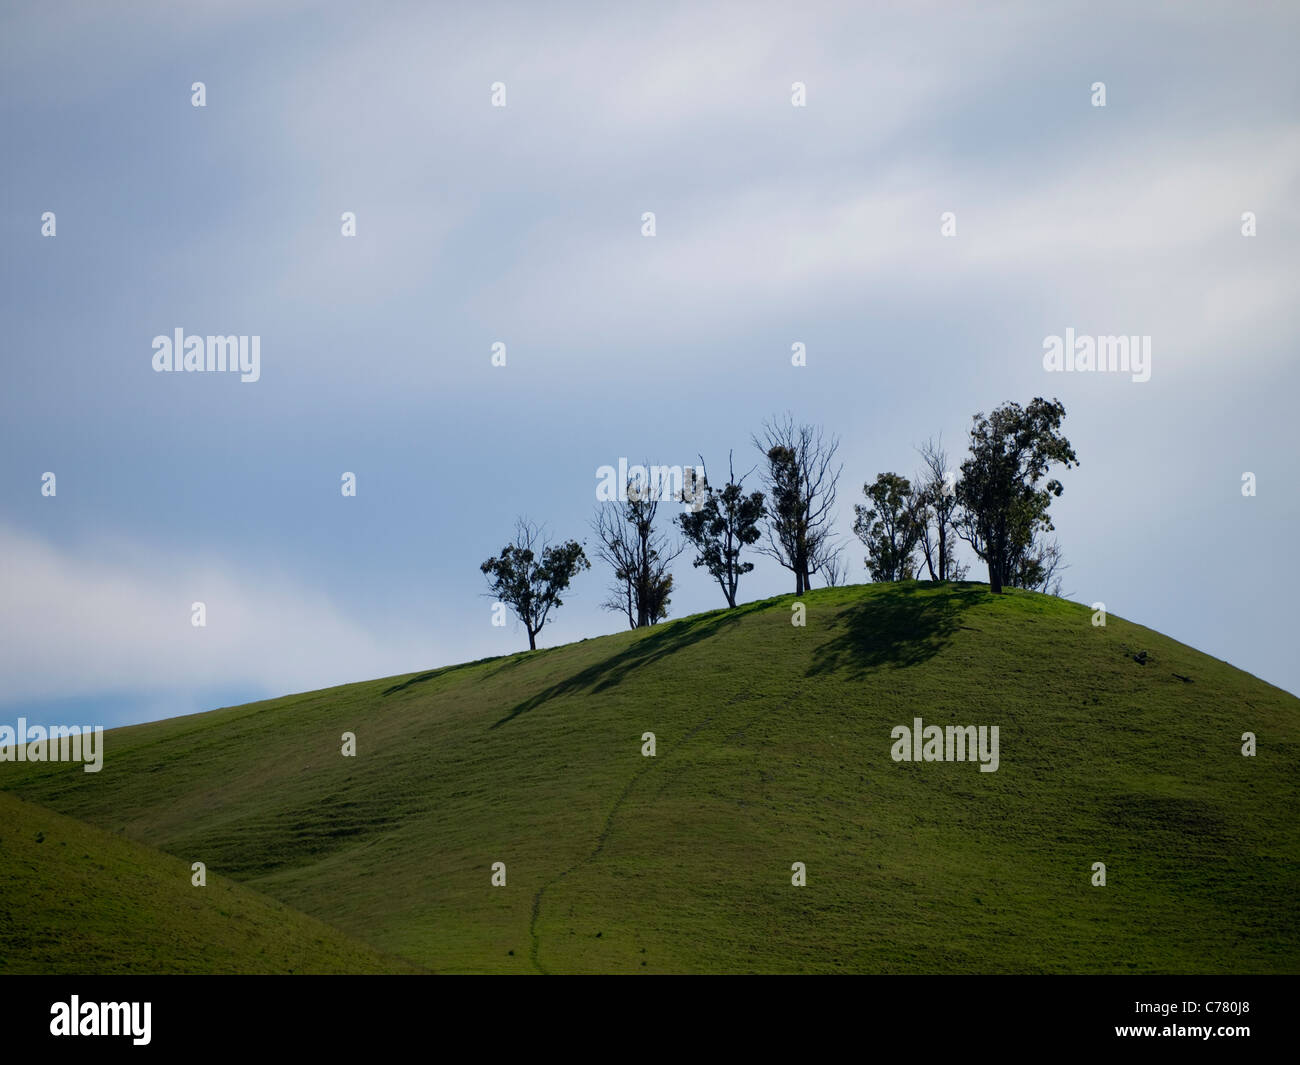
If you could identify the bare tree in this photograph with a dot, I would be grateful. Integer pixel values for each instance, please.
(801, 478)
(936, 486)
(1051, 559)
(639, 554)
(1039, 566)
(834, 570)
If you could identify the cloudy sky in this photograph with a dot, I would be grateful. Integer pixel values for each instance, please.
(522, 225)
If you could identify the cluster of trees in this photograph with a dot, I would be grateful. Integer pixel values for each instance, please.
(998, 506)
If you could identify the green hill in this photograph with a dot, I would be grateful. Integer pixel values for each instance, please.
(1117, 745)
(77, 899)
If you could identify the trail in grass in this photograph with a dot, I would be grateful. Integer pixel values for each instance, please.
(535, 946)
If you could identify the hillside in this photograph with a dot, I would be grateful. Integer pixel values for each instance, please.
(77, 899)
(773, 746)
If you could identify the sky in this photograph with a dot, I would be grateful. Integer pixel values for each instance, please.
(522, 225)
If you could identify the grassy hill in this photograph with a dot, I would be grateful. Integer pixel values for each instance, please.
(1117, 745)
(77, 899)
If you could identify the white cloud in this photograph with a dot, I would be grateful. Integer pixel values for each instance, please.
(1151, 243)
(118, 620)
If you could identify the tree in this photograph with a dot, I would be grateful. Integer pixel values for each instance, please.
(833, 570)
(639, 556)
(1003, 503)
(726, 522)
(937, 489)
(801, 481)
(1039, 566)
(890, 527)
(531, 585)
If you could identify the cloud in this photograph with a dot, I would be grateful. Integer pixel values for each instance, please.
(77, 622)
(1145, 242)
(522, 225)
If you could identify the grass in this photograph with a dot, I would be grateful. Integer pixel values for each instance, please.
(77, 899)
(773, 747)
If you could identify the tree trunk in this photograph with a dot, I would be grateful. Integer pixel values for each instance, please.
(929, 561)
(532, 640)
(995, 578)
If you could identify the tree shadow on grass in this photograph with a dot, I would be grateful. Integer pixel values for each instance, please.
(661, 641)
(902, 626)
(432, 674)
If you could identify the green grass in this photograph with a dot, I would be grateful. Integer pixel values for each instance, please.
(77, 899)
(773, 747)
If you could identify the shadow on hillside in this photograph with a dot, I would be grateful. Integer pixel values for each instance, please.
(904, 626)
(662, 640)
(442, 671)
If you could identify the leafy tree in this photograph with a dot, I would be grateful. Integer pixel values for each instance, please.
(801, 479)
(890, 527)
(726, 522)
(1003, 504)
(639, 554)
(529, 575)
